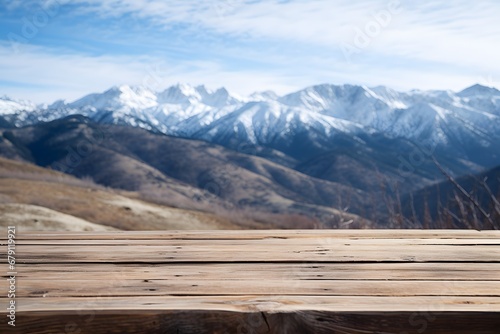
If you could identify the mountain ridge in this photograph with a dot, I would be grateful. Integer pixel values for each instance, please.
(182, 109)
(300, 125)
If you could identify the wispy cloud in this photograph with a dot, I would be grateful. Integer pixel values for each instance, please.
(44, 76)
(252, 45)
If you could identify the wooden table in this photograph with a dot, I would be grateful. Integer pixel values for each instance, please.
(243, 282)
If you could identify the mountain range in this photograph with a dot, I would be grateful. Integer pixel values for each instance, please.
(432, 117)
(362, 142)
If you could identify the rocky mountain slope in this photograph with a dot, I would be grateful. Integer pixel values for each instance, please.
(180, 172)
(34, 198)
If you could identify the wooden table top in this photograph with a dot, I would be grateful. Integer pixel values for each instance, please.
(286, 281)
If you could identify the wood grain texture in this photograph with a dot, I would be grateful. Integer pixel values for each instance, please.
(235, 282)
(264, 234)
(217, 322)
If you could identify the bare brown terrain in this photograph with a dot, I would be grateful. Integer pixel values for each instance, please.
(35, 198)
(188, 174)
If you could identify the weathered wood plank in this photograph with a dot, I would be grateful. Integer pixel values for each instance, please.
(262, 234)
(219, 322)
(233, 271)
(262, 242)
(269, 303)
(243, 253)
(246, 286)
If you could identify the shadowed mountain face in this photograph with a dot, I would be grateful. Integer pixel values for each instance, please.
(5, 124)
(471, 201)
(182, 172)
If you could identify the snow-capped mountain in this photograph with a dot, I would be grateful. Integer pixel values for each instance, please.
(432, 116)
(10, 106)
(315, 114)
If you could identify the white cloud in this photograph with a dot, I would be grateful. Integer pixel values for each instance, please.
(426, 44)
(461, 32)
(41, 75)
(56, 75)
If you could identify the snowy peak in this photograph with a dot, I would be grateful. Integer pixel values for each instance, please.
(10, 106)
(267, 95)
(118, 98)
(189, 95)
(59, 104)
(181, 94)
(312, 97)
(479, 90)
(220, 98)
(324, 97)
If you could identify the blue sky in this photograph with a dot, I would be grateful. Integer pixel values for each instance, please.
(52, 49)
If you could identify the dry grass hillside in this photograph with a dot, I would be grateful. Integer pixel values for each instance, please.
(34, 198)
(188, 174)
